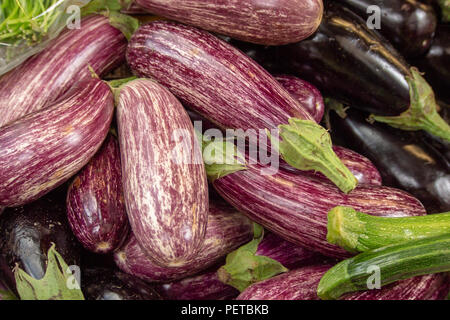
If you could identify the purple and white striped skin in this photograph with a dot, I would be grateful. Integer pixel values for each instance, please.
(227, 230)
(95, 205)
(211, 77)
(263, 22)
(301, 284)
(164, 180)
(295, 206)
(44, 149)
(308, 95)
(45, 77)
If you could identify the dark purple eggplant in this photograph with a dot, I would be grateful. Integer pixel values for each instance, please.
(405, 161)
(227, 229)
(95, 204)
(302, 283)
(265, 22)
(109, 284)
(408, 25)
(45, 148)
(29, 231)
(45, 77)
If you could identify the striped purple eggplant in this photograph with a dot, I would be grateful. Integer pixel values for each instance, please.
(263, 22)
(95, 204)
(308, 95)
(227, 230)
(45, 77)
(44, 149)
(164, 179)
(301, 284)
(295, 206)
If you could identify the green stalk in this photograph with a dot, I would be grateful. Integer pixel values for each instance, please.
(445, 9)
(422, 113)
(305, 145)
(358, 232)
(376, 268)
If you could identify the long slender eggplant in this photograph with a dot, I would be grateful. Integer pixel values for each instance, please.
(45, 77)
(269, 23)
(164, 179)
(95, 204)
(227, 230)
(301, 284)
(109, 284)
(228, 88)
(29, 231)
(44, 149)
(409, 25)
(405, 161)
(348, 61)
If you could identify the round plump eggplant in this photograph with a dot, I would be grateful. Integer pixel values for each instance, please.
(95, 204)
(45, 77)
(109, 284)
(265, 22)
(164, 178)
(44, 149)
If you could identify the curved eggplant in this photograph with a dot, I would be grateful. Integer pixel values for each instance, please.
(29, 231)
(108, 284)
(95, 204)
(227, 229)
(409, 25)
(45, 77)
(403, 158)
(44, 149)
(164, 180)
(265, 22)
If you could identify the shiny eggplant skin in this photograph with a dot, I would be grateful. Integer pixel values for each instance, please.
(436, 63)
(109, 284)
(29, 231)
(301, 284)
(95, 204)
(405, 161)
(227, 230)
(409, 25)
(350, 62)
(45, 77)
(45, 148)
(265, 22)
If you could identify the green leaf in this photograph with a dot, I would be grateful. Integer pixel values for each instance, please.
(53, 286)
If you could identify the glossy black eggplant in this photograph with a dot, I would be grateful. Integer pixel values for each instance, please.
(109, 284)
(404, 159)
(28, 232)
(409, 25)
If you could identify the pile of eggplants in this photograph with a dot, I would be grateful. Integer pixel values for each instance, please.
(114, 175)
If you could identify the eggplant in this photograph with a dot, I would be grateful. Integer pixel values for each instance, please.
(227, 230)
(308, 95)
(404, 159)
(45, 77)
(351, 63)
(436, 63)
(44, 149)
(29, 231)
(164, 182)
(229, 89)
(269, 23)
(95, 205)
(295, 206)
(108, 284)
(408, 25)
(301, 284)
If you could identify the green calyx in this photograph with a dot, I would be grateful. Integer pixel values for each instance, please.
(7, 295)
(244, 268)
(305, 145)
(445, 9)
(58, 282)
(422, 113)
